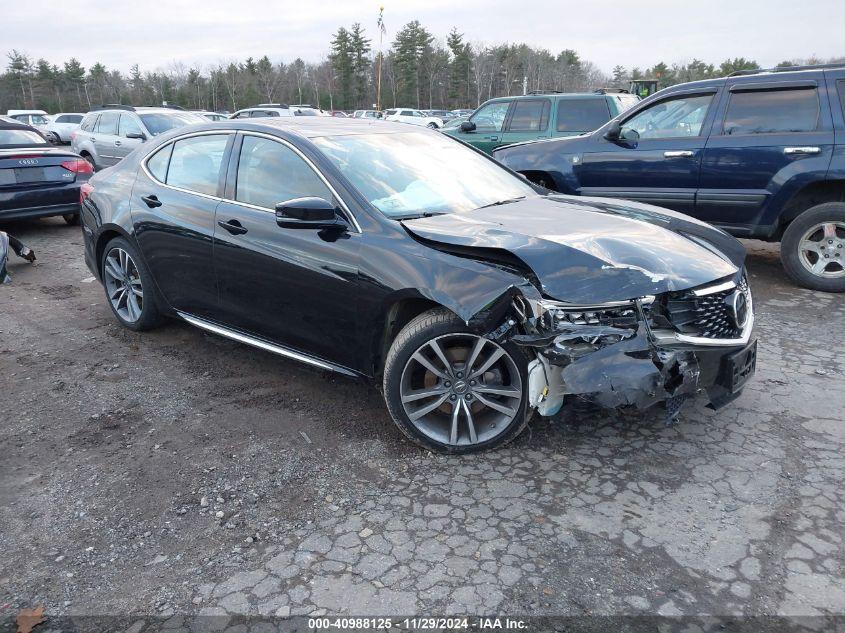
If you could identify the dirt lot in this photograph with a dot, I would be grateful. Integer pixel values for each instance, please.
(178, 472)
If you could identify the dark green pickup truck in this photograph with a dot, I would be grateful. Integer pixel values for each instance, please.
(507, 120)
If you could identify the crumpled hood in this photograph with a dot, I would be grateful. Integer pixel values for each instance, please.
(589, 250)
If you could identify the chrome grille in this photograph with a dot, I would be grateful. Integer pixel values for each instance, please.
(709, 312)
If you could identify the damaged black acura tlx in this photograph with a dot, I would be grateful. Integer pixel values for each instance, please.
(405, 257)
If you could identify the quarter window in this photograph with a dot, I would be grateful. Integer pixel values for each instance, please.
(491, 117)
(195, 163)
(671, 118)
(157, 164)
(772, 111)
(581, 115)
(270, 172)
(89, 122)
(108, 123)
(530, 115)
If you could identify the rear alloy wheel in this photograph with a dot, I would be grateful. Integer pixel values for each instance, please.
(813, 248)
(129, 287)
(454, 391)
(90, 160)
(432, 126)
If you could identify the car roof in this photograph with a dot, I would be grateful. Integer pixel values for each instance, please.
(314, 127)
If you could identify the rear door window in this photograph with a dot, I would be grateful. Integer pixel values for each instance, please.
(772, 111)
(195, 163)
(108, 123)
(581, 115)
(89, 122)
(530, 115)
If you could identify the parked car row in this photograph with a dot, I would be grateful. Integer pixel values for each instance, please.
(760, 154)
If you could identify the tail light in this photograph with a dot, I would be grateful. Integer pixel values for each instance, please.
(84, 191)
(78, 166)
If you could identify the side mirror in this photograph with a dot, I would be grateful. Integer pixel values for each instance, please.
(139, 135)
(614, 132)
(467, 126)
(308, 213)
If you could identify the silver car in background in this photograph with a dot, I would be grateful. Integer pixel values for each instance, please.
(108, 134)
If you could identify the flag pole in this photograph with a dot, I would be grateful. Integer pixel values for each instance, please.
(380, 55)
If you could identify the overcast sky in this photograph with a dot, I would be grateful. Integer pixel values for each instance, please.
(154, 34)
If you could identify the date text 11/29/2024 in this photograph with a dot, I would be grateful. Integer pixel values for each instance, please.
(417, 623)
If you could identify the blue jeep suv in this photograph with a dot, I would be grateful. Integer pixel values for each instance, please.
(760, 154)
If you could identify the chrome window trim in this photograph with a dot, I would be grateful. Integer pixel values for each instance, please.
(173, 141)
(310, 164)
(261, 344)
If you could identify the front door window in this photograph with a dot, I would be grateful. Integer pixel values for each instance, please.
(672, 118)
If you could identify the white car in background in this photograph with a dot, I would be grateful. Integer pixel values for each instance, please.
(211, 116)
(63, 124)
(36, 118)
(414, 117)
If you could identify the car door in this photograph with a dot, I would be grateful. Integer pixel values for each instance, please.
(173, 201)
(658, 157)
(129, 125)
(489, 122)
(293, 287)
(528, 121)
(767, 134)
(105, 136)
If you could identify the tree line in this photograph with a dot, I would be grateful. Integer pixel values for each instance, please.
(417, 70)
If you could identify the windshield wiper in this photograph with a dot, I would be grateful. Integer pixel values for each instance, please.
(501, 202)
(417, 216)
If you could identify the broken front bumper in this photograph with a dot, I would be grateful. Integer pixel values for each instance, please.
(625, 362)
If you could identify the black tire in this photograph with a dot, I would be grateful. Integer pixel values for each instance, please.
(71, 218)
(427, 327)
(150, 313)
(432, 126)
(90, 160)
(796, 264)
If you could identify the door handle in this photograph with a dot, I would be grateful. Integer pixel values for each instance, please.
(151, 201)
(494, 138)
(233, 226)
(117, 143)
(802, 150)
(678, 153)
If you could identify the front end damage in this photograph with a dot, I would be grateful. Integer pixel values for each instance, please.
(636, 353)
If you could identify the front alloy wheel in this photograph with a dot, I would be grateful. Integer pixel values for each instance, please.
(454, 391)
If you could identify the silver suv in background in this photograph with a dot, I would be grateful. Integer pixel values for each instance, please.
(108, 134)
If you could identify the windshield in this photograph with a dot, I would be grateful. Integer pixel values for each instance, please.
(159, 122)
(20, 137)
(412, 174)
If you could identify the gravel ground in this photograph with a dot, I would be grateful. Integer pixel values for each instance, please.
(176, 472)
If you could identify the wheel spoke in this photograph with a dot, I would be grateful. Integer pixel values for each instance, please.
(122, 255)
(496, 355)
(456, 414)
(132, 306)
(438, 351)
(473, 355)
(820, 265)
(810, 246)
(416, 415)
(420, 394)
(113, 270)
(473, 437)
(422, 360)
(497, 390)
(494, 404)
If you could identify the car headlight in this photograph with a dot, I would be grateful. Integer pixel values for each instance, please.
(557, 314)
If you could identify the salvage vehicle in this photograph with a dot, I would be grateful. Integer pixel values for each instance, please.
(37, 179)
(538, 115)
(107, 134)
(760, 154)
(401, 256)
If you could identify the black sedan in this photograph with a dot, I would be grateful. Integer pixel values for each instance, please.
(471, 296)
(37, 179)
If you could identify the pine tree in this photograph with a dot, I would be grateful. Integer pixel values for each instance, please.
(342, 62)
(359, 46)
